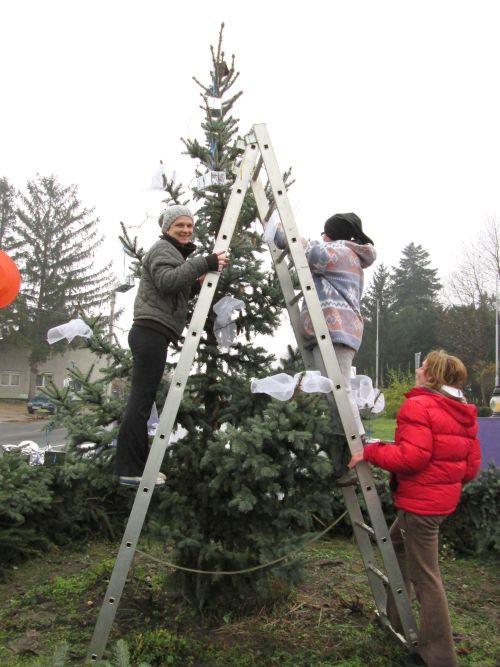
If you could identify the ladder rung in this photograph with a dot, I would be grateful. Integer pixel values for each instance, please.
(379, 573)
(365, 527)
(270, 211)
(296, 298)
(282, 256)
(258, 167)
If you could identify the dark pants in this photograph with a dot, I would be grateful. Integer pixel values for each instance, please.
(415, 539)
(149, 352)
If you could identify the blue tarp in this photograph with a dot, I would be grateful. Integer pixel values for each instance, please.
(489, 435)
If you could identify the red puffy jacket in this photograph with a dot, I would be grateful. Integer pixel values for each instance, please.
(435, 452)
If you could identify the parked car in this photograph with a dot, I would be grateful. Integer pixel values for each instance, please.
(40, 403)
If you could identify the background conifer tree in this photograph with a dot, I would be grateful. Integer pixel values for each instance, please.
(414, 307)
(55, 239)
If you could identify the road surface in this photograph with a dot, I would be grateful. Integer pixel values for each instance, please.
(12, 433)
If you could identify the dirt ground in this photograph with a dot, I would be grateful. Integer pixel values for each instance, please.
(328, 619)
(16, 412)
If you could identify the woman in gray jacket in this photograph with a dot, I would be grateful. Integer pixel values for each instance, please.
(170, 277)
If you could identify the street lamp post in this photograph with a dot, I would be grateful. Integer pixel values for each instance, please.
(495, 397)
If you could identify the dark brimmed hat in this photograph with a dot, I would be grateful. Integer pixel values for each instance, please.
(346, 226)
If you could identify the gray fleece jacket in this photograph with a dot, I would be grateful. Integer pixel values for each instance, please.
(166, 285)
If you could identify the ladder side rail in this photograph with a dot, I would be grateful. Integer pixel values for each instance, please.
(366, 479)
(311, 298)
(384, 543)
(168, 416)
(326, 361)
(284, 277)
(365, 548)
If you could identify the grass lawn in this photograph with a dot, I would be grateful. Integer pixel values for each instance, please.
(327, 620)
(381, 427)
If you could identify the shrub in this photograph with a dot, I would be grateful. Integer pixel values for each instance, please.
(44, 505)
(474, 529)
(87, 501)
(399, 384)
(25, 498)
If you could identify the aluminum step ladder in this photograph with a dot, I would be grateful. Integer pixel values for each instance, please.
(257, 153)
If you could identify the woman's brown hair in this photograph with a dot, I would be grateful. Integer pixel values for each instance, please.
(443, 368)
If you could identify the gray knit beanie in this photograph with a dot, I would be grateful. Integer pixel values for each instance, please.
(170, 215)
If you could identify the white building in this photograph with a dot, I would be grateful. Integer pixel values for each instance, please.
(15, 371)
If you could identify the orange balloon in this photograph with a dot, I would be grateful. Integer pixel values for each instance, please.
(10, 280)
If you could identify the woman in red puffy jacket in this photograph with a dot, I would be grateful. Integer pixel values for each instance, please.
(436, 451)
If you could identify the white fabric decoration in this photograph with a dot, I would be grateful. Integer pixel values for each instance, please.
(313, 381)
(211, 178)
(30, 449)
(224, 327)
(214, 103)
(271, 227)
(69, 331)
(282, 386)
(366, 396)
(153, 420)
(159, 177)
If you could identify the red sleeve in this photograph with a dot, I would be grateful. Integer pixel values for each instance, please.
(473, 461)
(412, 450)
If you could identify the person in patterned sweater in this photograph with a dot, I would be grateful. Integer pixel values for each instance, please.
(337, 263)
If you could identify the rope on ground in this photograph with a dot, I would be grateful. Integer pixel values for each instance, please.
(248, 569)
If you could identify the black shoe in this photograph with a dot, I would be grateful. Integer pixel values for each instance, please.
(349, 478)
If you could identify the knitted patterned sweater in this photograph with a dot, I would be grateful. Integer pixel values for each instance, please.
(337, 269)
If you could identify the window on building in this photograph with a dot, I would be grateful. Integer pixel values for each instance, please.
(9, 379)
(43, 379)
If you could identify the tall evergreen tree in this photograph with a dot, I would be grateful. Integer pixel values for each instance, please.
(414, 282)
(203, 515)
(56, 239)
(414, 306)
(244, 481)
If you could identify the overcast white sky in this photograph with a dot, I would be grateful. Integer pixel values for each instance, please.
(388, 108)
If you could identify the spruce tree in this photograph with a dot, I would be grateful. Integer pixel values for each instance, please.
(244, 482)
(247, 476)
(56, 240)
(414, 307)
